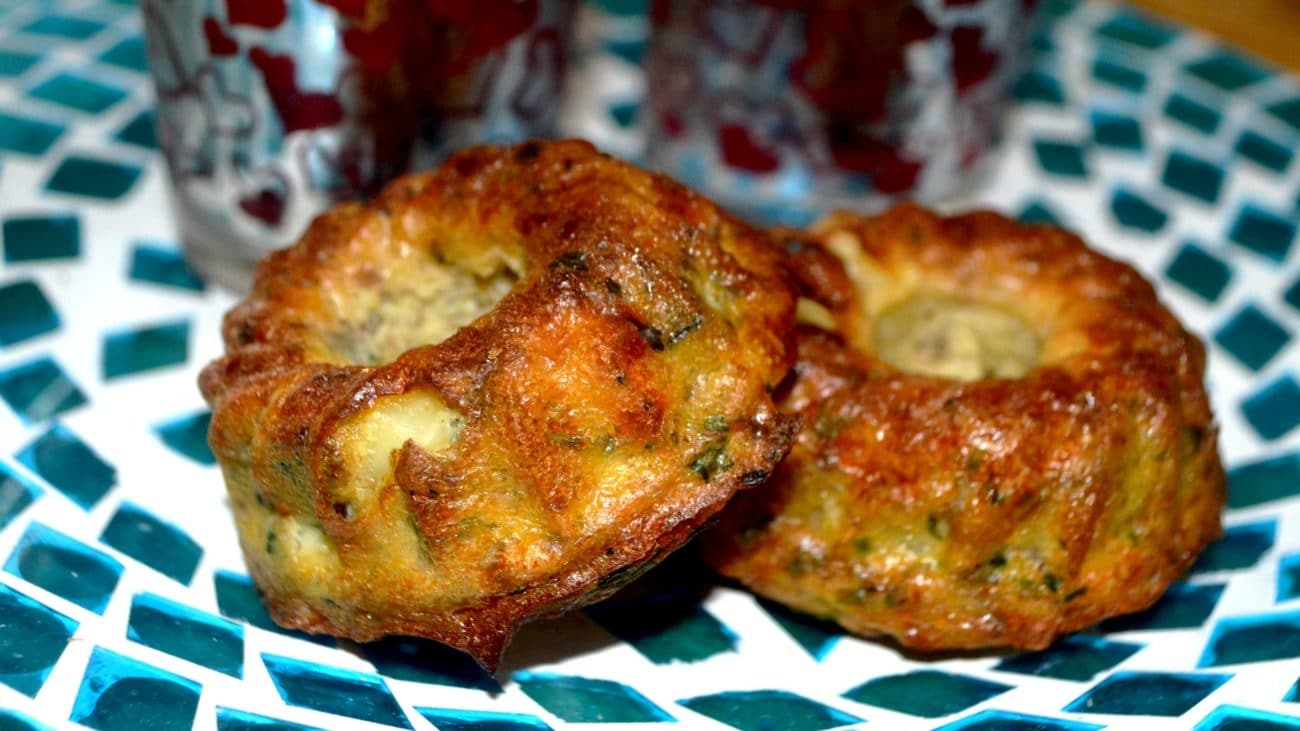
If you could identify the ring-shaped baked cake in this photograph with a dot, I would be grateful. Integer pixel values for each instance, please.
(1006, 437)
(497, 392)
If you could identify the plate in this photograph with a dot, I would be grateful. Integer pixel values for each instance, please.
(122, 593)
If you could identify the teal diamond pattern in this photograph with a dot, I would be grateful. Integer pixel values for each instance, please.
(1134, 211)
(27, 136)
(1228, 71)
(1061, 158)
(1288, 577)
(1137, 30)
(77, 92)
(140, 131)
(1037, 86)
(760, 710)
(1117, 130)
(666, 628)
(128, 53)
(1252, 337)
(1238, 718)
(1274, 410)
(32, 638)
(425, 661)
(817, 637)
(16, 493)
(1192, 176)
(1241, 547)
(188, 435)
(41, 238)
(1264, 151)
(1184, 606)
(153, 542)
(1147, 694)
(93, 178)
(451, 719)
(1119, 75)
(1263, 232)
(25, 312)
(1168, 150)
(926, 693)
(589, 700)
(162, 265)
(118, 691)
(187, 633)
(131, 352)
(39, 389)
(1287, 111)
(63, 460)
(1192, 113)
(63, 26)
(1264, 481)
(1076, 657)
(65, 566)
(1200, 272)
(335, 690)
(1252, 638)
(15, 63)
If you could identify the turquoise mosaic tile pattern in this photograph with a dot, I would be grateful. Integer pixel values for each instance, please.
(589, 700)
(123, 595)
(65, 567)
(1147, 694)
(32, 638)
(117, 691)
(927, 693)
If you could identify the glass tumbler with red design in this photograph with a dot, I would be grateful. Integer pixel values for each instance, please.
(270, 111)
(783, 109)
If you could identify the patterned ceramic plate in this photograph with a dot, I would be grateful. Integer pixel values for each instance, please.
(123, 599)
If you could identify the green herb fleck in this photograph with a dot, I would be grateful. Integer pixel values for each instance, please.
(998, 560)
(1076, 593)
(560, 439)
(862, 545)
(937, 526)
(716, 423)
(711, 462)
(829, 425)
(270, 543)
(799, 564)
(575, 260)
(1052, 583)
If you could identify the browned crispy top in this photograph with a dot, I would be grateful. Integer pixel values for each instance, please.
(995, 508)
(493, 391)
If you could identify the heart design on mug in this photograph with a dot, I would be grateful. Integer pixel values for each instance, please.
(263, 193)
(258, 13)
(220, 43)
(740, 150)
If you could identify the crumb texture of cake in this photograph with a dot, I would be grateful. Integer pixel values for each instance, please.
(1006, 437)
(499, 391)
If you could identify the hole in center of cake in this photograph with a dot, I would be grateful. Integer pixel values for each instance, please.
(414, 304)
(954, 337)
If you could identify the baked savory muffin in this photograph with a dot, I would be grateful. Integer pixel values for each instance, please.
(497, 392)
(1005, 438)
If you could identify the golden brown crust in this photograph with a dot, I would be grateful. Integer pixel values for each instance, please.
(991, 512)
(497, 392)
